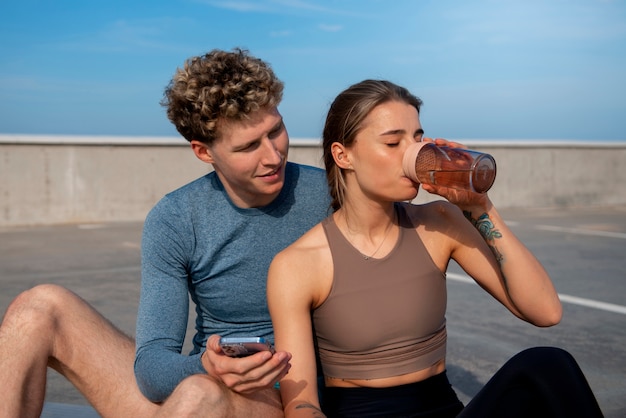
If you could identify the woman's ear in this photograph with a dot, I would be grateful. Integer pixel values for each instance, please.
(340, 155)
(202, 151)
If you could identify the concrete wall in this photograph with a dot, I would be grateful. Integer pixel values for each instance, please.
(52, 180)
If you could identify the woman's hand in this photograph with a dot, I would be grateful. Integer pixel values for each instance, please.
(442, 142)
(245, 374)
(467, 201)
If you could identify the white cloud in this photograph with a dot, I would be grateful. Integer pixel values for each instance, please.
(276, 6)
(301, 5)
(128, 35)
(280, 33)
(240, 6)
(330, 28)
(519, 22)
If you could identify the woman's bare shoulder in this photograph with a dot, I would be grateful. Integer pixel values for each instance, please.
(431, 212)
(303, 269)
(309, 246)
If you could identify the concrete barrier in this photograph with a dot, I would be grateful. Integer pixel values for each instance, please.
(65, 179)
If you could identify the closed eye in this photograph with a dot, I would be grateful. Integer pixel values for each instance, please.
(274, 133)
(250, 147)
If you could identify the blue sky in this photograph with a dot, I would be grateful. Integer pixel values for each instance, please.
(485, 69)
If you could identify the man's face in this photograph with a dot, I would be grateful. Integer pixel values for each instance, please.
(250, 157)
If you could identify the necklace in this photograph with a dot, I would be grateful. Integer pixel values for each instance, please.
(367, 257)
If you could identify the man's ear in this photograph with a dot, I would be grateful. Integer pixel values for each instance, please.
(202, 151)
(341, 155)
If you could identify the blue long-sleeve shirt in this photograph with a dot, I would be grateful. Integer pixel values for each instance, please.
(197, 242)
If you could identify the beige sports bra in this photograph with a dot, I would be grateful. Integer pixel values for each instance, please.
(383, 317)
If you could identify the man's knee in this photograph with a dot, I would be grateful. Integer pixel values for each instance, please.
(199, 392)
(38, 305)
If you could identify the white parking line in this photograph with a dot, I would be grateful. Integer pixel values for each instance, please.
(460, 278)
(579, 231)
(590, 303)
(575, 300)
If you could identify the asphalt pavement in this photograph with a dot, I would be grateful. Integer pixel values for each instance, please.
(583, 249)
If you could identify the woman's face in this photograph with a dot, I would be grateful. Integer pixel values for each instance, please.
(377, 152)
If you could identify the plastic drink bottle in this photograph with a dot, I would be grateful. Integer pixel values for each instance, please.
(457, 168)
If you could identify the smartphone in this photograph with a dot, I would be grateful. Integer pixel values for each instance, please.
(244, 346)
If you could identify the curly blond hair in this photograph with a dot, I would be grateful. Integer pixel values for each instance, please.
(216, 86)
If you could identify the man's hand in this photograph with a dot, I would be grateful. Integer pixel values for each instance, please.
(245, 374)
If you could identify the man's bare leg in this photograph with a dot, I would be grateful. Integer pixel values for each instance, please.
(51, 326)
(201, 396)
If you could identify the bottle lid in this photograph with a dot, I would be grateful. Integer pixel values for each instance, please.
(408, 161)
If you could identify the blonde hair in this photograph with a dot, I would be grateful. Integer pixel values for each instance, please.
(219, 86)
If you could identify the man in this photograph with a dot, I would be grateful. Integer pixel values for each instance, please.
(212, 239)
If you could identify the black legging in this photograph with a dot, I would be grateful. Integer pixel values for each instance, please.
(538, 382)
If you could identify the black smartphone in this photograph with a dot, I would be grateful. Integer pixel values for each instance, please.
(244, 346)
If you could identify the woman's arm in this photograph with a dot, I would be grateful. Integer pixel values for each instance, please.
(485, 247)
(523, 278)
(291, 290)
(508, 271)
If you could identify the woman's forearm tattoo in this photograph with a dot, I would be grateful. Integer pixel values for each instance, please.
(488, 231)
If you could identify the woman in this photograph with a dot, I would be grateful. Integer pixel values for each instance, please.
(365, 289)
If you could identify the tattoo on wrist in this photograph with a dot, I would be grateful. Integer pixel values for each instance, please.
(488, 231)
(316, 411)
